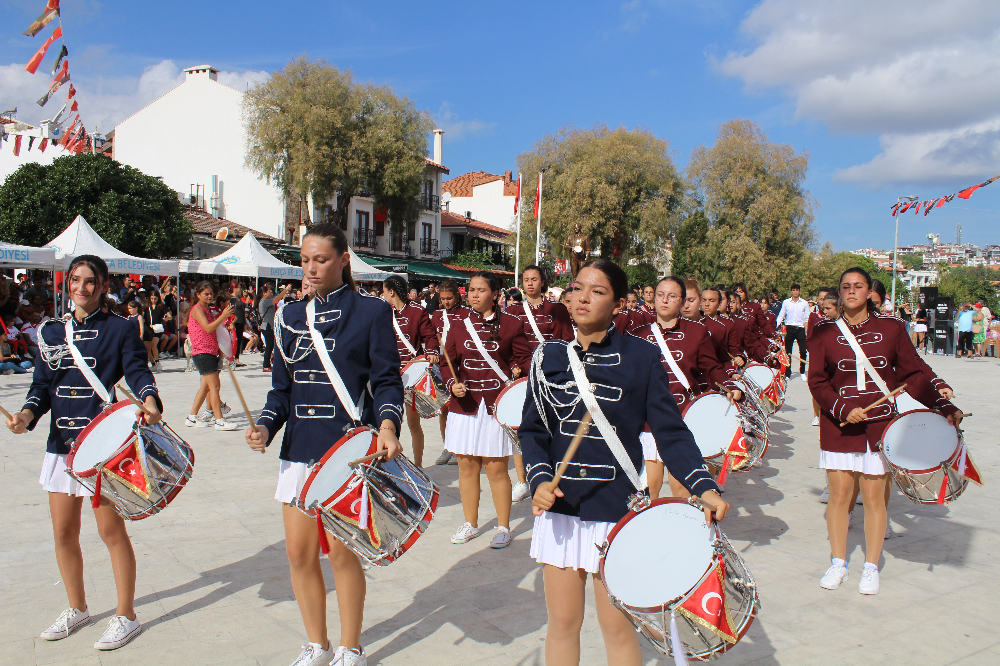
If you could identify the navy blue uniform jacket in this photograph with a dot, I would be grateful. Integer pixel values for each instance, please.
(112, 348)
(362, 342)
(632, 389)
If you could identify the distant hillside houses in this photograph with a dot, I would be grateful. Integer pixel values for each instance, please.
(951, 254)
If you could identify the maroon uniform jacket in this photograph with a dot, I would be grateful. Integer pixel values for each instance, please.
(719, 334)
(551, 318)
(643, 307)
(749, 341)
(759, 323)
(481, 383)
(814, 318)
(691, 345)
(416, 327)
(455, 317)
(627, 320)
(833, 380)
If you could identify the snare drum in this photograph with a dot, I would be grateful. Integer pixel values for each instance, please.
(137, 468)
(919, 448)
(423, 386)
(663, 561)
(225, 338)
(716, 425)
(762, 381)
(509, 406)
(377, 509)
(907, 403)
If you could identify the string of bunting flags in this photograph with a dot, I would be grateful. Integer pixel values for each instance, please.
(901, 207)
(76, 139)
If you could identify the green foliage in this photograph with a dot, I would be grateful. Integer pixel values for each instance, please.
(689, 260)
(620, 185)
(641, 274)
(481, 260)
(970, 285)
(135, 213)
(913, 262)
(313, 131)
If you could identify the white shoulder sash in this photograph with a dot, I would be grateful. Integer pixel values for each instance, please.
(531, 320)
(402, 338)
(470, 327)
(861, 362)
(82, 366)
(669, 357)
(319, 344)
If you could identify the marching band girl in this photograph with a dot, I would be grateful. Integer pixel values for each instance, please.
(541, 320)
(482, 351)
(688, 356)
(628, 389)
(855, 360)
(720, 327)
(760, 325)
(359, 355)
(75, 390)
(414, 336)
(443, 319)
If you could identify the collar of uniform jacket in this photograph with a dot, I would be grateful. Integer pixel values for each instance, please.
(330, 297)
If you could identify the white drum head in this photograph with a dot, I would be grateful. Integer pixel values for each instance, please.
(907, 403)
(412, 373)
(918, 441)
(510, 406)
(335, 471)
(658, 555)
(104, 438)
(761, 375)
(713, 422)
(225, 338)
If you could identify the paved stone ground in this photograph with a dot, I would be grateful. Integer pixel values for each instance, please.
(213, 585)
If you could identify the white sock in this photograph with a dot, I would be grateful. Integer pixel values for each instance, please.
(869, 565)
(319, 647)
(193, 417)
(839, 562)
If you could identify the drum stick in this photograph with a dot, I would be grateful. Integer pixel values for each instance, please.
(704, 503)
(128, 394)
(581, 430)
(359, 461)
(878, 402)
(797, 358)
(444, 352)
(6, 413)
(243, 401)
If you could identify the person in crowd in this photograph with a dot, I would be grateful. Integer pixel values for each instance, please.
(564, 298)
(794, 314)
(153, 315)
(979, 327)
(919, 334)
(29, 332)
(268, 302)
(433, 298)
(648, 295)
(203, 321)
(239, 321)
(964, 329)
(451, 313)
(11, 363)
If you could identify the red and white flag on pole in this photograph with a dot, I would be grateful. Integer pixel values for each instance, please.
(36, 59)
(538, 194)
(517, 199)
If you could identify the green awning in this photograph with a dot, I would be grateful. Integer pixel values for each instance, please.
(428, 270)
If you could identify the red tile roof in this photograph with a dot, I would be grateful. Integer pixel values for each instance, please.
(449, 219)
(206, 224)
(437, 166)
(462, 186)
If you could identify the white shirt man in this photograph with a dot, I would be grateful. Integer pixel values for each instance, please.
(795, 314)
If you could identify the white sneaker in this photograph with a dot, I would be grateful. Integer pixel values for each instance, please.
(520, 492)
(833, 577)
(222, 424)
(869, 581)
(502, 538)
(805, 378)
(348, 657)
(208, 415)
(119, 632)
(465, 533)
(67, 623)
(815, 420)
(824, 497)
(195, 423)
(444, 458)
(313, 654)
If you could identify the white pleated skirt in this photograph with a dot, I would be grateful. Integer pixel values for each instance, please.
(568, 542)
(866, 463)
(291, 477)
(54, 478)
(649, 451)
(479, 435)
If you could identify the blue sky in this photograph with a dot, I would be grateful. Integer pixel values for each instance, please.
(883, 111)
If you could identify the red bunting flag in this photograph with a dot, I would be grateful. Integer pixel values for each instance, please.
(895, 209)
(72, 92)
(36, 59)
(45, 143)
(966, 193)
(905, 207)
(917, 209)
(51, 11)
(61, 78)
(63, 52)
(17, 145)
(73, 108)
(707, 606)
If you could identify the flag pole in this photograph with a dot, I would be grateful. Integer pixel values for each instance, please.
(538, 228)
(517, 245)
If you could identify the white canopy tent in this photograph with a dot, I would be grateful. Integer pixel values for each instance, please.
(248, 257)
(362, 271)
(80, 238)
(26, 256)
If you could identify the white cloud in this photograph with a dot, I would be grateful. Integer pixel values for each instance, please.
(456, 129)
(104, 102)
(921, 73)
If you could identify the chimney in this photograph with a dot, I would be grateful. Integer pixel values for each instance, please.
(201, 71)
(508, 176)
(438, 146)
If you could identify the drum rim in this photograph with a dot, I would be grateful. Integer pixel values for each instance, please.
(300, 500)
(78, 441)
(739, 425)
(624, 521)
(415, 359)
(503, 391)
(954, 454)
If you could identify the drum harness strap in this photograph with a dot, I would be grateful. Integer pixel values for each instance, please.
(861, 362)
(402, 338)
(319, 343)
(470, 327)
(669, 358)
(601, 421)
(531, 320)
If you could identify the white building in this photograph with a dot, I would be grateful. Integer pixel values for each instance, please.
(914, 279)
(483, 196)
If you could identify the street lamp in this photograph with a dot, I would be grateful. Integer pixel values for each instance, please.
(895, 250)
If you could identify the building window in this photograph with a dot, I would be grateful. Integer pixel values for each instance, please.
(361, 220)
(411, 230)
(428, 231)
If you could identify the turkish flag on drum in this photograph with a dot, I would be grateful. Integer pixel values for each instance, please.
(354, 506)
(127, 466)
(963, 465)
(707, 606)
(426, 386)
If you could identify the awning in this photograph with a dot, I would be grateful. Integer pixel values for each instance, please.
(26, 256)
(80, 238)
(427, 270)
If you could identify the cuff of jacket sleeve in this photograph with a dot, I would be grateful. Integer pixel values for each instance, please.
(538, 474)
(700, 481)
(267, 420)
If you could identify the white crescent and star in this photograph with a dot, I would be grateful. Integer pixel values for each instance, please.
(704, 603)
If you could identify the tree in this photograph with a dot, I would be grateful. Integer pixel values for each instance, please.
(913, 262)
(759, 214)
(641, 274)
(134, 212)
(314, 132)
(690, 260)
(970, 285)
(620, 185)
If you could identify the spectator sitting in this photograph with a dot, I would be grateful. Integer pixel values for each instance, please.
(29, 333)
(10, 363)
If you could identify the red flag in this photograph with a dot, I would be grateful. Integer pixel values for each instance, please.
(17, 145)
(127, 466)
(72, 92)
(538, 194)
(517, 199)
(963, 465)
(966, 193)
(45, 142)
(933, 203)
(707, 606)
(36, 59)
(905, 207)
(72, 125)
(895, 209)
(51, 11)
(941, 201)
(61, 78)
(74, 107)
